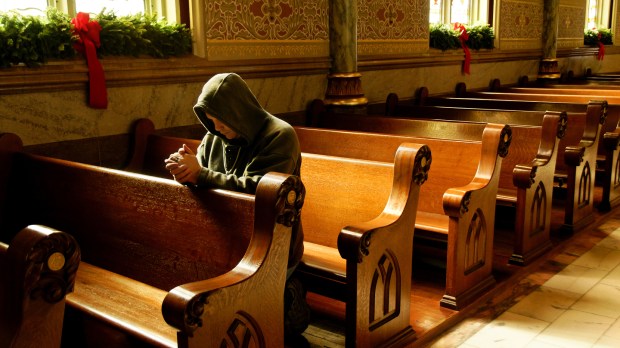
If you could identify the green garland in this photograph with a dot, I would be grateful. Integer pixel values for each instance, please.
(444, 37)
(32, 40)
(590, 37)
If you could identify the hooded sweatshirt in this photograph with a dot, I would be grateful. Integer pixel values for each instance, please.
(264, 143)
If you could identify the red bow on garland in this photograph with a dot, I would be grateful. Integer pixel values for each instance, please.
(88, 31)
(601, 48)
(464, 37)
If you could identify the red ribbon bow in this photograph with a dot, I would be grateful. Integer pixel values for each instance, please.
(463, 37)
(88, 31)
(601, 48)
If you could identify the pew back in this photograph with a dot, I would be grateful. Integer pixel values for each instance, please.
(119, 202)
(446, 157)
(349, 202)
(147, 240)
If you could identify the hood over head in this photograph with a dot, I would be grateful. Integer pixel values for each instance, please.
(228, 98)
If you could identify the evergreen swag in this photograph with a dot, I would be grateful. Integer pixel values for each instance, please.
(444, 37)
(591, 37)
(34, 40)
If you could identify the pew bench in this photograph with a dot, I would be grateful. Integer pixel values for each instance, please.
(596, 151)
(457, 205)
(162, 265)
(526, 175)
(38, 270)
(357, 233)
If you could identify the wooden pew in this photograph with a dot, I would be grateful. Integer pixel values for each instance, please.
(580, 158)
(525, 180)
(591, 90)
(612, 117)
(568, 83)
(38, 270)
(607, 159)
(608, 152)
(459, 202)
(358, 233)
(162, 265)
(606, 172)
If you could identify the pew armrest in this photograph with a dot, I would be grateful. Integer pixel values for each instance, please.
(41, 264)
(411, 166)
(496, 140)
(611, 140)
(250, 296)
(524, 175)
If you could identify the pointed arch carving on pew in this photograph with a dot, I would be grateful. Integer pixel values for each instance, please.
(585, 186)
(385, 286)
(243, 332)
(539, 211)
(476, 242)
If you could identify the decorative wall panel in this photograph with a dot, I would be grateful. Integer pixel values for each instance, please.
(392, 27)
(616, 29)
(521, 24)
(249, 29)
(570, 27)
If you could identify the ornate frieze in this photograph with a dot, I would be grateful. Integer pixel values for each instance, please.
(266, 29)
(392, 27)
(521, 20)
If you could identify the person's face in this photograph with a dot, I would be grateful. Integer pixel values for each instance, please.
(222, 128)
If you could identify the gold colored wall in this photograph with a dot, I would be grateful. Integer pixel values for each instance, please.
(264, 29)
(245, 36)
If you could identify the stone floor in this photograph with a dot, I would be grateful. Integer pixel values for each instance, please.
(577, 306)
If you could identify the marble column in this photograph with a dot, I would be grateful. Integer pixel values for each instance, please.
(548, 69)
(344, 84)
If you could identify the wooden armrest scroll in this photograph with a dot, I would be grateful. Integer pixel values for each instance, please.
(524, 175)
(496, 140)
(412, 163)
(53, 261)
(279, 199)
(573, 156)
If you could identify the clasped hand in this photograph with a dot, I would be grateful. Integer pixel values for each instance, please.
(184, 166)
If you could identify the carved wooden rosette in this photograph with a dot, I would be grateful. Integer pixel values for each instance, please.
(345, 89)
(423, 161)
(193, 313)
(562, 125)
(291, 199)
(51, 269)
(504, 144)
(603, 114)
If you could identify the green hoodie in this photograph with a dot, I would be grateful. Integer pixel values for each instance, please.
(265, 143)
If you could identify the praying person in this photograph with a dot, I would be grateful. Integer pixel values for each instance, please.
(244, 142)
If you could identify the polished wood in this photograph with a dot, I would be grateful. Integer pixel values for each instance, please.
(38, 269)
(583, 151)
(527, 171)
(458, 199)
(358, 233)
(146, 240)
